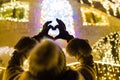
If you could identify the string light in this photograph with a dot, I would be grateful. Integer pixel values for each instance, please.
(93, 17)
(60, 9)
(105, 70)
(112, 7)
(8, 8)
(110, 68)
(107, 67)
(103, 73)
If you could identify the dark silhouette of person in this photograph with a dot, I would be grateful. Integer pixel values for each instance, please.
(81, 50)
(46, 60)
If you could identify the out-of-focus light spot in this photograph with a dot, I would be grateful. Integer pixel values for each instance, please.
(108, 62)
(61, 9)
(92, 16)
(16, 11)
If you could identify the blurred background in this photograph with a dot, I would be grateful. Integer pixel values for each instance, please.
(95, 20)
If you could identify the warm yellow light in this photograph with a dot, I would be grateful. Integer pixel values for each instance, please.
(93, 13)
(15, 5)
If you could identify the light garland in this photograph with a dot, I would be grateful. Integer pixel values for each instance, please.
(92, 18)
(61, 9)
(103, 49)
(5, 54)
(104, 70)
(108, 62)
(15, 5)
(114, 5)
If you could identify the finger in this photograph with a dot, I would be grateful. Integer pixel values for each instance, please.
(61, 23)
(57, 26)
(50, 26)
(48, 22)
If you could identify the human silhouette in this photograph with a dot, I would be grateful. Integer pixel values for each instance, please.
(46, 59)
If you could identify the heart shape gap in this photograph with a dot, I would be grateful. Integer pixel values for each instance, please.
(54, 31)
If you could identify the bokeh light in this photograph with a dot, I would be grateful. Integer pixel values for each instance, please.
(106, 52)
(15, 11)
(61, 9)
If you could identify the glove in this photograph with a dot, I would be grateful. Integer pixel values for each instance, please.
(44, 32)
(24, 45)
(63, 33)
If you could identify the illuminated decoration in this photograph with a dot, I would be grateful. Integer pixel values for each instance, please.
(112, 7)
(81, 1)
(61, 9)
(15, 11)
(93, 17)
(5, 54)
(107, 49)
(107, 52)
(89, 2)
(104, 70)
(26, 65)
(107, 71)
(113, 4)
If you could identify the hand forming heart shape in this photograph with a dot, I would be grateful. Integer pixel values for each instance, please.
(57, 32)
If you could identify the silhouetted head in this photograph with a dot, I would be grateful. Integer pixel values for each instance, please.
(46, 58)
(78, 48)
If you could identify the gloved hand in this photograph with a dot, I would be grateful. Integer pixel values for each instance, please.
(24, 45)
(63, 33)
(44, 32)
